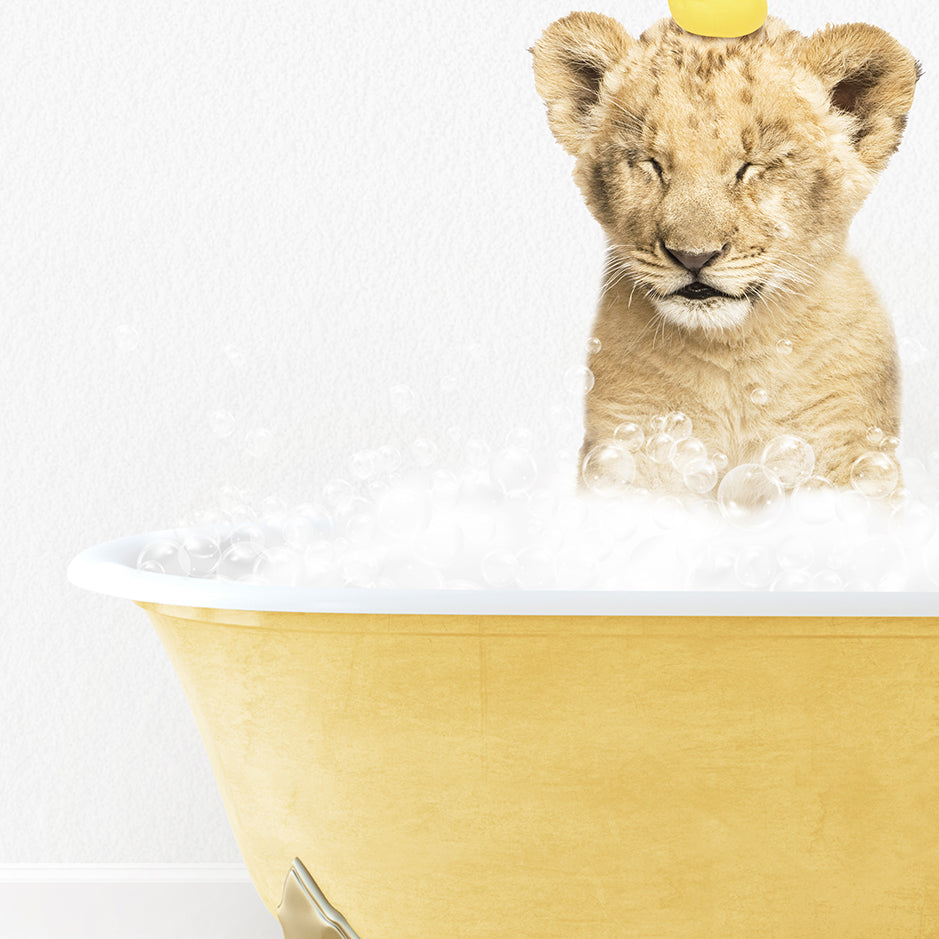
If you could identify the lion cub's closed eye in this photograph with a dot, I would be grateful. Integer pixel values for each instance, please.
(725, 174)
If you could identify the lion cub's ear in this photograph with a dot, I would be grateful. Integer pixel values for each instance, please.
(870, 76)
(571, 59)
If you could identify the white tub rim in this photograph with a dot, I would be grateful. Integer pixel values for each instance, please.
(109, 569)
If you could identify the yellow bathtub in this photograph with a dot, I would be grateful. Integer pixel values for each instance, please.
(549, 764)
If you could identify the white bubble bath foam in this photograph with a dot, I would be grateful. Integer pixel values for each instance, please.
(475, 514)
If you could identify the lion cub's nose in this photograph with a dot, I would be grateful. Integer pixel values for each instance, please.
(693, 260)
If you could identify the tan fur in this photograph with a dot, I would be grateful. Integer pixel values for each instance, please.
(818, 118)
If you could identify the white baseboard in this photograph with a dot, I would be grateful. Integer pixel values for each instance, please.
(139, 901)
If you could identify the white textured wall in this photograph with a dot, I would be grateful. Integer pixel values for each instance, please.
(354, 196)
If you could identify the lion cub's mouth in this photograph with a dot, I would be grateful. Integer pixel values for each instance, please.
(699, 291)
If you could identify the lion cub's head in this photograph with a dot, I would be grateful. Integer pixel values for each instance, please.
(724, 172)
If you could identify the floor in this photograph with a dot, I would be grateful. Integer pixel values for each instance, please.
(134, 911)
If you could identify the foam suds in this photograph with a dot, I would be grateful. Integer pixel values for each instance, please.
(510, 517)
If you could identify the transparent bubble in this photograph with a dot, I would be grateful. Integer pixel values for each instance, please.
(359, 567)
(204, 554)
(534, 569)
(814, 501)
(455, 435)
(677, 426)
(338, 494)
(424, 452)
(749, 498)
(280, 566)
(792, 580)
(498, 568)
(593, 345)
(657, 424)
(259, 442)
(390, 458)
(784, 347)
(441, 542)
(404, 511)
(687, 451)
(875, 474)
(701, 477)
(608, 469)
(164, 556)
(248, 531)
(476, 452)
(759, 396)
(796, 553)
(520, 437)
(404, 571)
(401, 398)
(366, 464)
(221, 423)
(788, 460)
(272, 506)
(307, 524)
(874, 436)
(668, 512)
(827, 581)
(578, 381)
(720, 460)
(360, 524)
(890, 444)
(236, 356)
(755, 567)
(514, 469)
(126, 337)
(660, 447)
(913, 523)
(238, 560)
(630, 435)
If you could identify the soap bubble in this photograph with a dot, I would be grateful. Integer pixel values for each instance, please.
(875, 474)
(359, 524)
(476, 452)
(890, 444)
(221, 423)
(608, 469)
(238, 560)
(248, 531)
(498, 568)
(814, 501)
(164, 556)
(759, 396)
(784, 347)
(629, 435)
(424, 452)
(677, 426)
(391, 458)
(281, 566)
(204, 554)
(874, 436)
(401, 398)
(788, 460)
(687, 451)
(660, 447)
(796, 553)
(657, 424)
(404, 511)
(720, 460)
(593, 345)
(514, 469)
(749, 498)
(259, 443)
(755, 567)
(366, 464)
(534, 569)
(126, 337)
(306, 524)
(700, 477)
(578, 381)
(236, 356)
(338, 494)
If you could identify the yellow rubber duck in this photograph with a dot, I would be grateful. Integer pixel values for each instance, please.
(725, 19)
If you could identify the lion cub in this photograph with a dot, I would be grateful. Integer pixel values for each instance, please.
(725, 174)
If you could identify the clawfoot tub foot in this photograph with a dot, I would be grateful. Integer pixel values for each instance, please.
(304, 912)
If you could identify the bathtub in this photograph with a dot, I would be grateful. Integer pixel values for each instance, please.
(452, 764)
